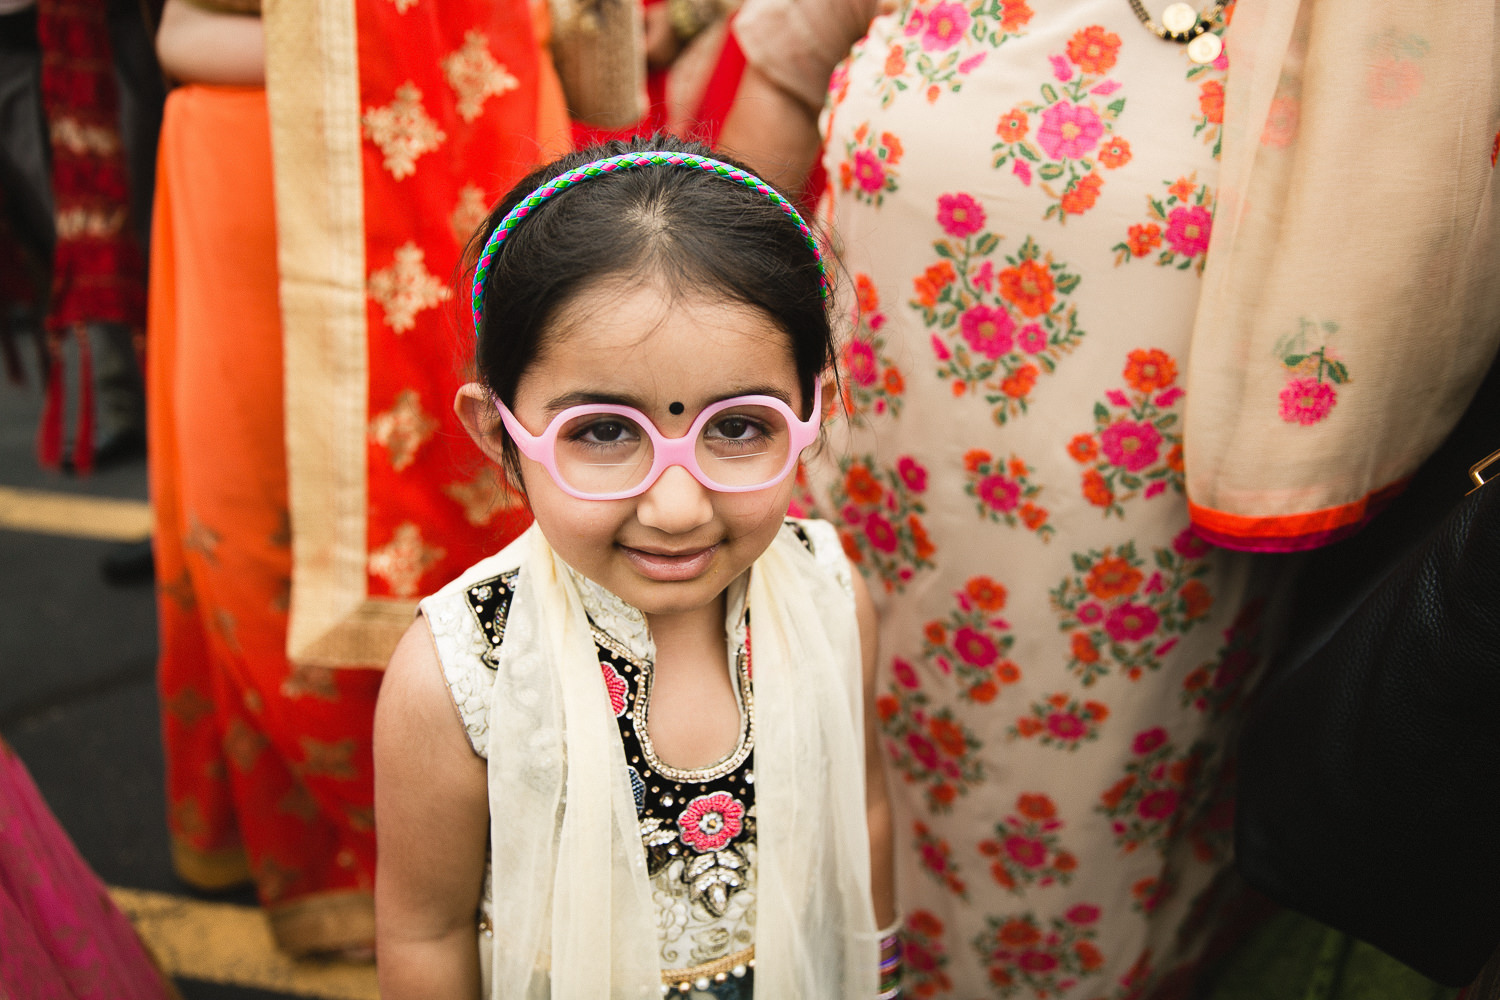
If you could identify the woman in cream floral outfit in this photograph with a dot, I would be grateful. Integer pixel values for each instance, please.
(1022, 194)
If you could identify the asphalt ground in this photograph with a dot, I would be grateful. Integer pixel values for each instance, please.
(78, 704)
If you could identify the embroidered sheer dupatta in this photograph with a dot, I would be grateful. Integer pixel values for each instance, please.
(573, 914)
(1349, 307)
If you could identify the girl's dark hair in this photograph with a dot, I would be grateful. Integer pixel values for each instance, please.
(697, 234)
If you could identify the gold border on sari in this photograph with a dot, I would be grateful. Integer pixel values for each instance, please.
(312, 67)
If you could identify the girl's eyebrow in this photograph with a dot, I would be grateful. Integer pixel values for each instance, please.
(584, 398)
(581, 397)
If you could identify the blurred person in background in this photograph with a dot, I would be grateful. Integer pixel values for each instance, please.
(268, 755)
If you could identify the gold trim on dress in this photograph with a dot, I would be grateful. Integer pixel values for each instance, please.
(718, 970)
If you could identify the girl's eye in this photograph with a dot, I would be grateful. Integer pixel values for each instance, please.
(604, 432)
(735, 427)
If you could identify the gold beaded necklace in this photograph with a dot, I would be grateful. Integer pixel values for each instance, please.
(1182, 24)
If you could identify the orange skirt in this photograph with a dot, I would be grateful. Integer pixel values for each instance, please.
(268, 766)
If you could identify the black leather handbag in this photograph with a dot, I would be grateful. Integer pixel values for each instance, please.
(1369, 774)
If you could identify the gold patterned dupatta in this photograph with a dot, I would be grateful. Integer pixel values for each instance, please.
(1351, 300)
(395, 124)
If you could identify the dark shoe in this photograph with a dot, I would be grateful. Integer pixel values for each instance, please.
(128, 444)
(128, 564)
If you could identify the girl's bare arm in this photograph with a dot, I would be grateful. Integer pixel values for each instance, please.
(432, 820)
(877, 797)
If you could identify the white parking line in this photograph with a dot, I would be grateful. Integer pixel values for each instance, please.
(50, 513)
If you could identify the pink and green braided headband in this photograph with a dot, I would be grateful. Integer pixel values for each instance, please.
(627, 161)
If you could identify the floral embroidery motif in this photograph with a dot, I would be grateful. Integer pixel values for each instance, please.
(872, 384)
(475, 76)
(1074, 127)
(710, 821)
(1282, 122)
(328, 758)
(1309, 395)
(932, 749)
(484, 496)
(468, 213)
(1216, 686)
(1061, 721)
(924, 957)
(1395, 75)
(1135, 449)
(1027, 846)
(1210, 121)
(403, 428)
(997, 330)
(970, 645)
(403, 560)
(1150, 892)
(866, 170)
(403, 131)
(1121, 617)
(931, 56)
(615, 684)
(879, 509)
(406, 288)
(1145, 807)
(1004, 492)
(937, 858)
(1042, 960)
(1187, 215)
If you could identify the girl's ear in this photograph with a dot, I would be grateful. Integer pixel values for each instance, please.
(476, 411)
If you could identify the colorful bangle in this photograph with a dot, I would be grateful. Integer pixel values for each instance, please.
(890, 967)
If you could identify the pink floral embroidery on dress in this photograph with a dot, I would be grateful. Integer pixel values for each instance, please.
(1027, 846)
(925, 958)
(1395, 75)
(879, 513)
(1215, 686)
(616, 686)
(1147, 806)
(1150, 892)
(998, 324)
(1120, 617)
(1209, 124)
(928, 748)
(937, 858)
(1061, 721)
(1179, 225)
(1043, 960)
(1005, 493)
(711, 821)
(872, 383)
(1074, 123)
(942, 43)
(1135, 448)
(1309, 394)
(971, 644)
(868, 169)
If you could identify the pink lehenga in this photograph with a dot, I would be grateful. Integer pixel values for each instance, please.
(61, 937)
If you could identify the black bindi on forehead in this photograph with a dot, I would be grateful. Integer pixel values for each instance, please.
(675, 409)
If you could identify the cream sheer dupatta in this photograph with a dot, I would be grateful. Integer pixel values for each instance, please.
(1358, 222)
(573, 914)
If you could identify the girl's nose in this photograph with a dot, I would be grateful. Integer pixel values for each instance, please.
(676, 503)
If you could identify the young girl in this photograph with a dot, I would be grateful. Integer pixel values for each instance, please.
(663, 775)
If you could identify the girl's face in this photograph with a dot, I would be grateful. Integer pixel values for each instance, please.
(673, 549)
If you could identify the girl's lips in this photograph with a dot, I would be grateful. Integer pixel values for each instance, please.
(670, 568)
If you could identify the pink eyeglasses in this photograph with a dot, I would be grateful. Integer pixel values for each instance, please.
(601, 452)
